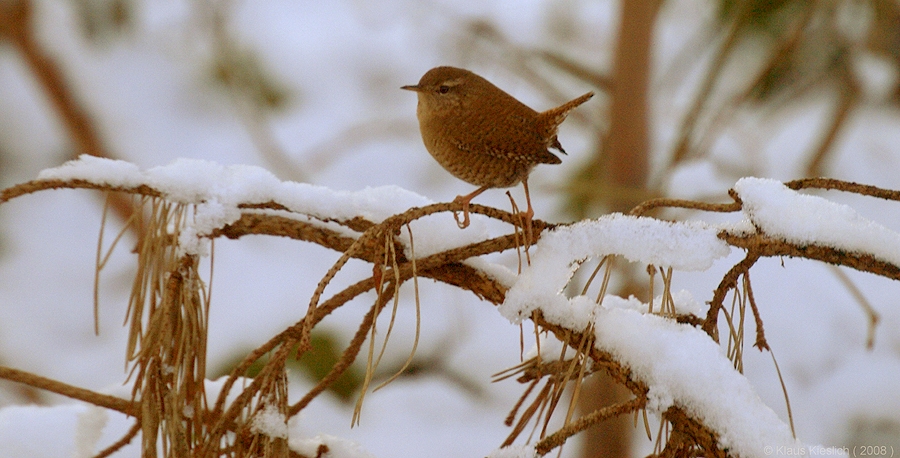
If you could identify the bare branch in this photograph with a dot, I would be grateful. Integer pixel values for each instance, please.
(92, 397)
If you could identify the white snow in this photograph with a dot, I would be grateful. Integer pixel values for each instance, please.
(438, 232)
(96, 170)
(24, 430)
(514, 451)
(194, 181)
(337, 447)
(680, 245)
(682, 300)
(550, 349)
(682, 366)
(499, 272)
(271, 422)
(804, 219)
(216, 191)
(89, 430)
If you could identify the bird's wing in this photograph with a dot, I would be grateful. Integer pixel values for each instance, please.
(514, 138)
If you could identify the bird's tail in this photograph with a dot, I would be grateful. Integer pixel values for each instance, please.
(552, 118)
(558, 115)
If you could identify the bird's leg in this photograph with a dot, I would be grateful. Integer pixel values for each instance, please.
(529, 214)
(464, 200)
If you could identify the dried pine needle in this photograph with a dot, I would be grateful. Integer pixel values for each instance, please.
(415, 278)
(787, 401)
(395, 268)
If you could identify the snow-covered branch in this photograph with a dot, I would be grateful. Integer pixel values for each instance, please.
(666, 351)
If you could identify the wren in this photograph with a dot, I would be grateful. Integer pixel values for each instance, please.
(484, 136)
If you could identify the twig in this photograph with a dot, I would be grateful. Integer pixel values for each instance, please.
(292, 332)
(764, 246)
(560, 437)
(92, 397)
(728, 282)
(125, 440)
(34, 186)
(342, 364)
(652, 204)
(846, 186)
(857, 294)
(787, 401)
(761, 342)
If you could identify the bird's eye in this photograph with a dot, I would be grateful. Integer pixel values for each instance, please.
(444, 89)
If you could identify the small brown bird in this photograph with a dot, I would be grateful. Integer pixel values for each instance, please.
(484, 136)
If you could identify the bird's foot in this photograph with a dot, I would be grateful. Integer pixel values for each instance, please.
(465, 211)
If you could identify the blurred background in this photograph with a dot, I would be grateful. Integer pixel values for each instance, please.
(691, 96)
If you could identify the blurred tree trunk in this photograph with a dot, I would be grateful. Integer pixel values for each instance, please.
(615, 181)
(616, 177)
(628, 142)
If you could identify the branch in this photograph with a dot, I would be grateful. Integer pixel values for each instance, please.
(560, 437)
(92, 397)
(34, 186)
(652, 204)
(765, 246)
(728, 282)
(846, 186)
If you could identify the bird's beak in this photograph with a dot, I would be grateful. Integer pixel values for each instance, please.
(412, 88)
